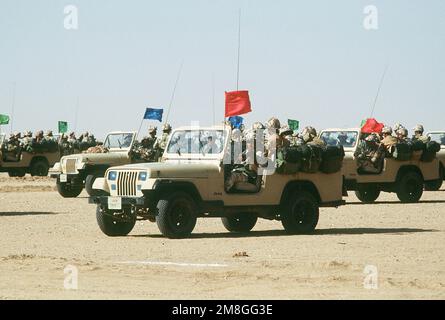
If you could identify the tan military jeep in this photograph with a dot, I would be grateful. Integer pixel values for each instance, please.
(439, 137)
(74, 172)
(405, 178)
(189, 183)
(34, 163)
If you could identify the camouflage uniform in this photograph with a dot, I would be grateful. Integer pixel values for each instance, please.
(64, 145)
(369, 154)
(145, 150)
(74, 143)
(13, 148)
(27, 141)
(388, 141)
(309, 136)
(162, 144)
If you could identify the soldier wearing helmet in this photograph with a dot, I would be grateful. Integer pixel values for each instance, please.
(13, 148)
(369, 154)
(162, 143)
(418, 134)
(309, 136)
(145, 150)
(402, 135)
(388, 141)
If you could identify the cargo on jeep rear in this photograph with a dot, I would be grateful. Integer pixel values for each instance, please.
(190, 183)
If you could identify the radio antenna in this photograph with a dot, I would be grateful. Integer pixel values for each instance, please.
(378, 90)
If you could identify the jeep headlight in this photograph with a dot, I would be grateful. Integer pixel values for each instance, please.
(142, 176)
(112, 175)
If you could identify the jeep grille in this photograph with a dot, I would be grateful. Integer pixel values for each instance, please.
(71, 166)
(126, 183)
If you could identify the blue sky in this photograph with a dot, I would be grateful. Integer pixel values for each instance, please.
(307, 60)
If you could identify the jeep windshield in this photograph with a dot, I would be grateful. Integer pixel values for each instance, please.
(197, 142)
(118, 141)
(347, 139)
(439, 137)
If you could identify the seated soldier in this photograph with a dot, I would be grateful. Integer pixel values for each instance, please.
(389, 141)
(309, 135)
(369, 155)
(402, 135)
(418, 134)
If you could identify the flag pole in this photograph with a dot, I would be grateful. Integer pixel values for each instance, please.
(76, 112)
(12, 106)
(378, 90)
(213, 96)
(239, 50)
(174, 91)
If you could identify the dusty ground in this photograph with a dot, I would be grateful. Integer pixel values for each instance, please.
(42, 233)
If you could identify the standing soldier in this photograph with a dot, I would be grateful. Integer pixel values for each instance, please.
(418, 134)
(162, 144)
(74, 144)
(64, 145)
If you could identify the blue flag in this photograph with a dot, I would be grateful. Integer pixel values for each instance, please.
(153, 114)
(236, 122)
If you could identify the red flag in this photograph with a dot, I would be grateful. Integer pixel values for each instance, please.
(237, 102)
(372, 126)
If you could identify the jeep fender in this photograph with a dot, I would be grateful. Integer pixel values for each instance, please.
(100, 184)
(292, 186)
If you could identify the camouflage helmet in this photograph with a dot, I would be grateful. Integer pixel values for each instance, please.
(86, 134)
(258, 126)
(72, 134)
(308, 134)
(49, 133)
(403, 132)
(167, 127)
(64, 136)
(418, 128)
(285, 131)
(40, 133)
(387, 130)
(28, 133)
(11, 135)
(152, 129)
(397, 126)
(18, 135)
(274, 123)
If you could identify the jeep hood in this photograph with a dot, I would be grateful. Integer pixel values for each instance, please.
(99, 158)
(175, 170)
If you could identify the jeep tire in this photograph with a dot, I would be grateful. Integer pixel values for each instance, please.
(300, 213)
(68, 191)
(410, 187)
(367, 194)
(176, 215)
(113, 226)
(242, 222)
(39, 168)
(89, 181)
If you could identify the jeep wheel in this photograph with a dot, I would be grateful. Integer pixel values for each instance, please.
(367, 194)
(68, 191)
(410, 187)
(300, 213)
(89, 181)
(243, 222)
(176, 215)
(39, 168)
(115, 226)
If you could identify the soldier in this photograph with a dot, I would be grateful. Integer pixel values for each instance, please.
(309, 136)
(397, 127)
(369, 154)
(418, 134)
(64, 145)
(27, 141)
(388, 141)
(49, 136)
(38, 137)
(13, 148)
(162, 144)
(146, 149)
(74, 143)
(402, 135)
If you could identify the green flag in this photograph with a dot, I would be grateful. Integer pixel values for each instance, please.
(294, 125)
(4, 119)
(63, 127)
(363, 123)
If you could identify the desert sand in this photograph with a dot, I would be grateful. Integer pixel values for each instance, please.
(42, 234)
